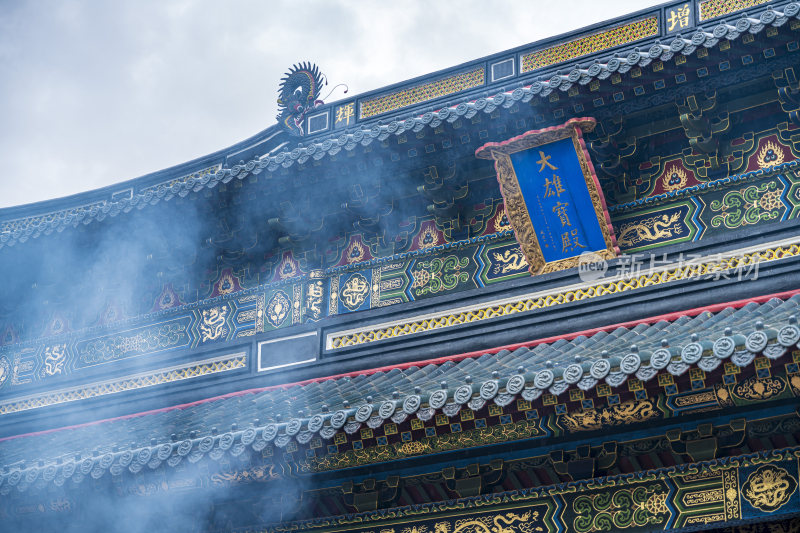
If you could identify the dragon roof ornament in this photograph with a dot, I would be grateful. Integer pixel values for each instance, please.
(619, 61)
(299, 93)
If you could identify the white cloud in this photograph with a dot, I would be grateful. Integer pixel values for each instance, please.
(93, 93)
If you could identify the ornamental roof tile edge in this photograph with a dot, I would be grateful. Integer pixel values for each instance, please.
(705, 36)
(739, 335)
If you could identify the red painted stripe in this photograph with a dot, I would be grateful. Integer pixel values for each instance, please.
(667, 459)
(439, 360)
(625, 465)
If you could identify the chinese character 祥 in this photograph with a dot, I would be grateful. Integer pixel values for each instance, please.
(345, 113)
(569, 241)
(544, 161)
(561, 210)
(553, 188)
(678, 18)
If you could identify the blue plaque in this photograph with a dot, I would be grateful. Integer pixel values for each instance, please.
(552, 196)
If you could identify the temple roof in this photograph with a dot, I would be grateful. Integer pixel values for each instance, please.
(255, 418)
(555, 66)
(401, 174)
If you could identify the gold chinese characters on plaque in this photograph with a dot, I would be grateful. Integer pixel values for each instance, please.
(552, 197)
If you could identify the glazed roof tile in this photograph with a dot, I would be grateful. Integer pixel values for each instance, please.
(300, 412)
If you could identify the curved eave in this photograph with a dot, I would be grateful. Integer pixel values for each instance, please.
(40, 218)
(59, 213)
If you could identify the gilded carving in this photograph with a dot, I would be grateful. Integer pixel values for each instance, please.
(375, 289)
(226, 284)
(259, 473)
(314, 296)
(555, 298)
(355, 291)
(333, 308)
(770, 155)
(124, 384)
(288, 267)
(297, 296)
(769, 488)
(730, 484)
(674, 178)
(500, 221)
(523, 429)
(649, 230)
(5, 370)
(123, 344)
(705, 519)
(261, 302)
(414, 448)
(392, 284)
(212, 326)
(749, 205)
(723, 395)
(508, 261)
(702, 497)
(246, 317)
(649, 501)
(629, 412)
(795, 381)
(700, 476)
(628, 507)
(696, 399)
(355, 252)
(440, 274)
(516, 210)
(278, 309)
(759, 389)
(573, 262)
(54, 359)
(428, 238)
(504, 523)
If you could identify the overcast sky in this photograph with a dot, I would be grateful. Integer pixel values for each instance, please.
(96, 92)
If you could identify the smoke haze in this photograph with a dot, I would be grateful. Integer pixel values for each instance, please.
(94, 93)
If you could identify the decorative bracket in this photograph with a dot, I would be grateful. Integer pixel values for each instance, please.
(471, 480)
(583, 462)
(613, 153)
(705, 443)
(370, 494)
(788, 93)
